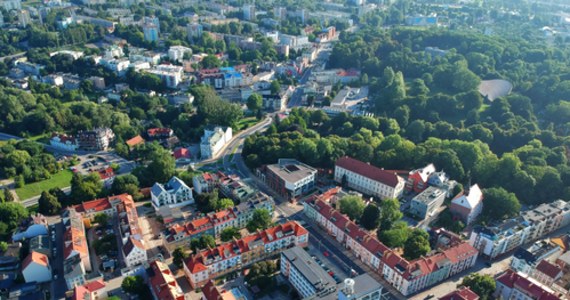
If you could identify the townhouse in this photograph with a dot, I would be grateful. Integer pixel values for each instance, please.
(504, 237)
(368, 179)
(76, 259)
(163, 283)
(214, 262)
(452, 256)
(513, 285)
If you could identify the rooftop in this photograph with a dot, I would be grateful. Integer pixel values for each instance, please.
(429, 195)
(369, 171)
(309, 268)
(292, 170)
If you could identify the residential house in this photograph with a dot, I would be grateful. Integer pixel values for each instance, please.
(134, 142)
(234, 255)
(76, 259)
(182, 155)
(368, 179)
(93, 290)
(134, 253)
(163, 283)
(547, 273)
(36, 268)
(205, 182)
(427, 203)
(214, 140)
(461, 293)
(95, 140)
(175, 193)
(513, 285)
(442, 181)
(289, 177)
(418, 179)
(33, 226)
(63, 142)
(468, 205)
(107, 175)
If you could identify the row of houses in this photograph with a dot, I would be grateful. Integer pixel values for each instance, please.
(232, 256)
(495, 240)
(215, 222)
(452, 257)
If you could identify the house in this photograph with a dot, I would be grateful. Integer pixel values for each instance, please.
(76, 259)
(182, 156)
(36, 268)
(134, 253)
(513, 285)
(163, 283)
(63, 142)
(95, 140)
(526, 259)
(205, 182)
(418, 179)
(289, 177)
(231, 256)
(135, 141)
(175, 193)
(93, 290)
(547, 273)
(159, 133)
(41, 244)
(214, 140)
(442, 181)
(427, 203)
(462, 293)
(368, 179)
(467, 205)
(107, 175)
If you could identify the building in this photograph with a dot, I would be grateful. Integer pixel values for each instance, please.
(214, 140)
(213, 223)
(525, 260)
(206, 182)
(163, 283)
(503, 237)
(171, 75)
(76, 259)
(234, 255)
(194, 31)
(35, 225)
(176, 53)
(249, 12)
(211, 292)
(95, 140)
(418, 179)
(451, 256)
(24, 18)
(547, 273)
(135, 141)
(462, 293)
(368, 179)
(41, 245)
(150, 31)
(36, 268)
(361, 287)
(467, 205)
(107, 175)
(427, 203)
(63, 142)
(93, 290)
(9, 5)
(307, 277)
(422, 20)
(182, 155)
(513, 285)
(289, 177)
(175, 193)
(159, 133)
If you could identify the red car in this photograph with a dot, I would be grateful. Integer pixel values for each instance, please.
(331, 273)
(326, 253)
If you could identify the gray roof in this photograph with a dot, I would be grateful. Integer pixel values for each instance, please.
(429, 195)
(363, 284)
(173, 185)
(291, 170)
(309, 268)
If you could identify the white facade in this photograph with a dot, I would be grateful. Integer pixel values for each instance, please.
(214, 140)
(175, 193)
(176, 53)
(36, 268)
(135, 256)
(369, 186)
(9, 5)
(170, 75)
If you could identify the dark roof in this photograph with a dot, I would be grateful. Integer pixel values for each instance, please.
(369, 171)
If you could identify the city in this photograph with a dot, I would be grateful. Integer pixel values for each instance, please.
(284, 149)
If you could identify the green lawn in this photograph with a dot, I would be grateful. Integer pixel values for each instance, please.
(59, 180)
(246, 123)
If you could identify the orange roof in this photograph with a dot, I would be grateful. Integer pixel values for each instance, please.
(163, 283)
(96, 205)
(82, 291)
(106, 173)
(35, 257)
(135, 141)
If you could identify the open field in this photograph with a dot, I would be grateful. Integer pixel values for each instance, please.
(59, 180)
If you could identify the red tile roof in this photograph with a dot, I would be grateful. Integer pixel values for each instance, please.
(152, 132)
(369, 171)
(64, 138)
(548, 269)
(96, 205)
(462, 293)
(137, 140)
(83, 292)
(163, 282)
(211, 292)
(512, 279)
(106, 173)
(181, 153)
(35, 257)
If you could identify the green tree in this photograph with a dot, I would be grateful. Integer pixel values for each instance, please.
(84, 188)
(482, 285)
(230, 233)
(370, 217)
(211, 61)
(396, 236)
(126, 184)
(48, 204)
(8, 196)
(3, 246)
(101, 219)
(389, 213)
(352, 206)
(417, 244)
(221, 204)
(275, 87)
(133, 285)
(178, 256)
(261, 219)
(500, 204)
(254, 102)
(208, 241)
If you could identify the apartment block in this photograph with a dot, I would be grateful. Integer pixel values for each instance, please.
(175, 193)
(95, 140)
(214, 140)
(228, 257)
(427, 203)
(513, 285)
(289, 177)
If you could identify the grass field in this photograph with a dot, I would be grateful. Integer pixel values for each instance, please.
(59, 180)
(246, 123)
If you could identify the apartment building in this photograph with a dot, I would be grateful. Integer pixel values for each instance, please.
(76, 259)
(462, 293)
(214, 222)
(451, 257)
(214, 140)
(175, 193)
(368, 179)
(176, 53)
(228, 257)
(95, 140)
(513, 285)
(163, 283)
(526, 260)
(309, 279)
(495, 240)
(427, 203)
(206, 182)
(169, 74)
(289, 177)
(418, 179)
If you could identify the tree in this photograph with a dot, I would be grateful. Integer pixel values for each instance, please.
(8, 196)
(275, 87)
(126, 184)
(396, 236)
(101, 219)
(370, 217)
(389, 213)
(211, 61)
(500, 204)
(3, 246)
(85, 188)
(417, 244)
(352, 206)
(261, 219)
(482, 285)
(133, 285)
(48, 204)
(230, 233)
(254, 102)
(208, 241)
(11, 213)
(221, 204)
(178, 256)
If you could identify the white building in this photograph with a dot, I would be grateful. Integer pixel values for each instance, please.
(134, 252)
(305, 274)
(170, 75)
(468, 205)
(36, 268)
(512, 285)
(249, 12)
(289, 177)
(63, 142)
(194, 30)
(150, 31)
(9, 5)
(525, 260)
(427, 203)
(175, 193)
(361, 287)
(214, 140)
(368, 179)
(118, 66)
(176, 53)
